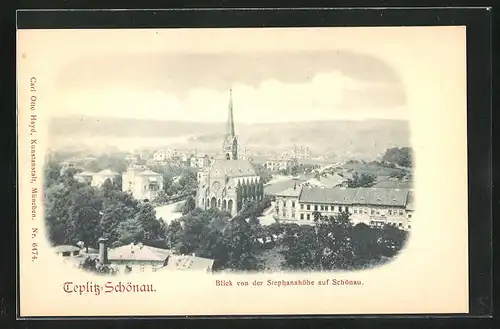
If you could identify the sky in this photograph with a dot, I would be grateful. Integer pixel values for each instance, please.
(277, 75)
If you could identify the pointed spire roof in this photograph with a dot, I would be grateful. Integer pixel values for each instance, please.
(230, 119)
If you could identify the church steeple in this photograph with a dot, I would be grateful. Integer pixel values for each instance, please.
(230, 144)
(230, 119)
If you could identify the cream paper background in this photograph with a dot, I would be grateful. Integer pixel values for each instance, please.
(430, 276)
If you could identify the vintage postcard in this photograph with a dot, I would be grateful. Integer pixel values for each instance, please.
(256, 171)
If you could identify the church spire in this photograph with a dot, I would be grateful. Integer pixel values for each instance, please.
(230, 144)
(230, 119)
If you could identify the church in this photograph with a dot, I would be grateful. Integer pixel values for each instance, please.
(229, 182)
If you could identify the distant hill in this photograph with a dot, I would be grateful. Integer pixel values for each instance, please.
(365, 138)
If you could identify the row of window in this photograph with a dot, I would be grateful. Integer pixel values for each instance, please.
(390, 212)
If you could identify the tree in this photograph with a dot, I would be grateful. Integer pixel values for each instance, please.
(173, 235)
(241, 247)
(400, 156)
(130, 231)
(188, 205)
(362, 180)
(84, 215)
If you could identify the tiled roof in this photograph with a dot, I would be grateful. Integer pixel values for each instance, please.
(273, 189)
(327, 195)
(361, 196)
(148, 173)
(106, 172)
(138, 252)
(410, 202)
(381, 196)
(232, 168)
(292, 192)
(183, 262)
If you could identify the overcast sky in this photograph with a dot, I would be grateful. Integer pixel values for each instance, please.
(277, 75)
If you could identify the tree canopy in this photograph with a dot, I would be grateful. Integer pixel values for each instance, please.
(402, 156)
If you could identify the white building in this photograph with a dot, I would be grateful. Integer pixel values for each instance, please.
(280, 164)
(84, 177)
(99, 178)
(142, 184)
(372, 206)
(200, 161)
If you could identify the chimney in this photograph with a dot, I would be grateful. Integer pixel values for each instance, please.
(103, 251)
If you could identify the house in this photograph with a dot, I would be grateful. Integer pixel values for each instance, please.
(200, 161)
(372, 206)
(137, 258)
(84, 177)
(142, 183)
(99, 178)
(280, 164)
(67, 251)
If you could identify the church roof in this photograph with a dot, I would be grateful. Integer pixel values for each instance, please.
(233, 168)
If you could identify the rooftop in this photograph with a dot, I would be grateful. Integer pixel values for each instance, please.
(232, 168)
(66, 248)
(328, 195)
(361, 196)
(138, 252)
(106, 172)
(148, 173)
(328, 181)
(184, 262)
(290, 192)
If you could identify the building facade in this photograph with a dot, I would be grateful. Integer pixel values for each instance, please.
(143, 184)
(371, 206)
(229, 182)
(200, 162)
(280, 164)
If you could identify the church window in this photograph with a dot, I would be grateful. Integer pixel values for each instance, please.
(301, 216)
(308, 207)
(315, 207)
(308, 217)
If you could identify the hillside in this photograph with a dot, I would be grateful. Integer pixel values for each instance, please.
(365, 138)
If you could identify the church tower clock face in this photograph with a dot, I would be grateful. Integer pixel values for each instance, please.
(216, 186)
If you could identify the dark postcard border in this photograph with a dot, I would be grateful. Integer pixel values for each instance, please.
(478, 23)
